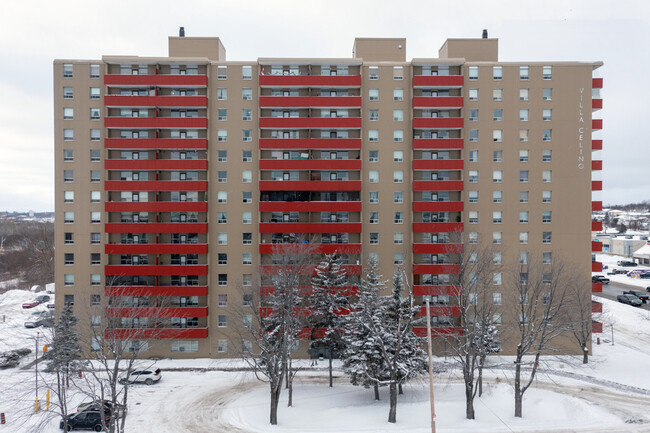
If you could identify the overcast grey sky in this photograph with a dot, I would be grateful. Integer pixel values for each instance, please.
(37, 32)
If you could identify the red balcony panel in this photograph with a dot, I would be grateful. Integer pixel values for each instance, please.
(157, 333)
(157, 312)
(310, 101)
(309, 122)
(596, 307)
(156, 206)
(156, 164)
(156, 269)
(438, 122)
(596, 185)
(423, 290)
(309, 227)
(438, 206)
(437, 101)
(437, 310)
(155, 143)
(437, 185)
(310, 185)
(310, 143)
(596, 124)
(156, 80)
(421, 331)
(156, 248)
(596, 267)
(596, 144)
(318, 248)
(310, 206)
(436, 227)
(596, 246)
(596, 287)
(310, 80)
(438, 81)
(156, 227)
(156, 122)
(155, 185)
(273, 269)
(310, 164)
(596, 205)
(597, 83)
(596, 165)
(437, 143)
(596, 327)
(596, 226)
(437, 248)
(436, 269)
(596, 104)
(155, 101)
(438, 164)
(156, 291)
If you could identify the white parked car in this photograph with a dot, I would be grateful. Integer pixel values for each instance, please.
(148, 377)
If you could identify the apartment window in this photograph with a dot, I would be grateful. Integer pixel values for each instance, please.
(497, 135)
(68, 196)
(222, 94)
(373, 115)
(247, 218)
(222, 114)
(222, 299)
(547, 176)
(95, 113)
(523, 72)
(246, 94)
(398, 115)
(497, 155)
(547, 196)
(373, 135)
(68, 259)
(95, 155)
(222, 155)
(373, 72)
(497, 278)
(95, 279)
(398, 217)
(95, 196)
(547, 72)
(547, 114)
(473, 135)
(473, 196)
(398, 196)
(497, 258)
(222, 259)
(547, 94)
(374, 217)
(547, 155)
(398, 238)
(247, 259)
(95, 93)
(247, 197)
(373, 156)
(246, 72)
(398, 72)
(95, 217)
(497, 196)
(222, 346)
(68, 93)
(373, 176)
(222, 197)
(68, 175)
(222, 72)
(94, 71)
(523, 114)
(222, 176)
(247, 155)
(547, 135)
(523, 176)
(473, 114)
(374, 197)
(95, 134)
(472, 237)
(398, 94)
(523, 156)
(247, 238)
(95, 238)
(67, 70)
(247, 280)
(68, 238)
(222, 238)
(497, 217)
(473, 94)
(497, 176)
(473, 176)
(473, 217)
(398, 135)
(374, 238)
(398, 258)
(95, 300)
(546, 237)
(222, 217)
(523, 196)
(523, 237)
(547, 216)
(247, 135)
(497, 94)
(398, 176)
(68, 280)
(473, 156)
(523, 135)
(473, 72)
(398, 156)
(222, 135)
(497, 72)
(373, 94)
(68, 134)
(246, 114)
(247, 176)
(523, 94)
(523, 217)
(95, 258)
(222, 321)
(497, 114)
(68, 113)
(547, 257)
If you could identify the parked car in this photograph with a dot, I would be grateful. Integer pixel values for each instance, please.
(629, 299)
(86, 420)
(39, 300)
(40, 318)
(147, 377)
(43, 299)
(30, 304)
(644, 297)
(617, 272)
(599, 279)
(626, 263)
(645, 274)
(94, 406)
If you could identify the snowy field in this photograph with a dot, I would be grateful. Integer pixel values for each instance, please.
(610, 394)
(610, 261)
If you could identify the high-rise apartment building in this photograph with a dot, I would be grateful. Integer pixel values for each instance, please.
(175, 176)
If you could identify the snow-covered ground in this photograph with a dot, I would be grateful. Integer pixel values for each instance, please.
(610, 394)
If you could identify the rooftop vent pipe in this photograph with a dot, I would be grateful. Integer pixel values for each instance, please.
(484, 33)
(181, 32)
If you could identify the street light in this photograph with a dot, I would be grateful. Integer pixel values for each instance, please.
(429, 350)
(36, 370)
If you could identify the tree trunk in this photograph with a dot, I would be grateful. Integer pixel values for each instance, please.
(469, 401)
(518, 396)
(585, 355)
(392, 413)
(331, 379)
(376, 387)
(290, 382)
(400, 391)
(275, 400)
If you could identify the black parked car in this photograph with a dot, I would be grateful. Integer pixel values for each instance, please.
(88, 420)
(626, 263)
(629, 299)
(599, 279)
(644, 297)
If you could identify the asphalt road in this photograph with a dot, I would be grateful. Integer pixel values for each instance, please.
(611, 290)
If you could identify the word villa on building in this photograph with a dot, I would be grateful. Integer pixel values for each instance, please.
(176, 177)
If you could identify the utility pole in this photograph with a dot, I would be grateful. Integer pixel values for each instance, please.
(36, 369)
(430, 353)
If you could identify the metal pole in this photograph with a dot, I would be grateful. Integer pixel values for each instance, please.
(429, 350)
(36, 369)
(612, 334)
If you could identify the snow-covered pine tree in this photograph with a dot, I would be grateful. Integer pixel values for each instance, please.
(486, 342)
(327, 303)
